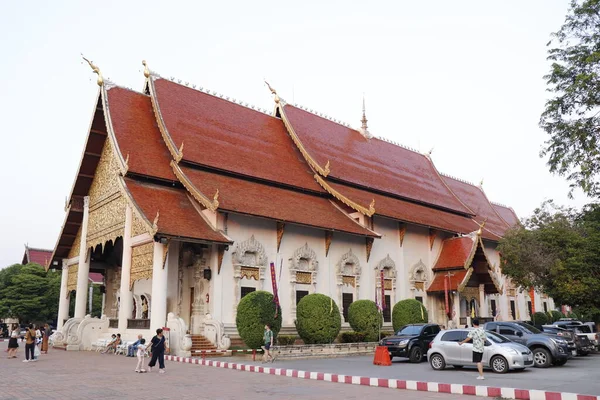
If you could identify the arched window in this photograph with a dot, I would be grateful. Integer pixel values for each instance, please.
(303, 275)
(348, 281)
(388, 266)
(249, 263)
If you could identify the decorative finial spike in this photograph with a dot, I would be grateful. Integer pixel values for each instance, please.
(100, 80)
(481, 183)
(146, 69)
(430, 151)
(364, 130)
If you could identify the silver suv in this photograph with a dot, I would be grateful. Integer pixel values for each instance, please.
(499, 354)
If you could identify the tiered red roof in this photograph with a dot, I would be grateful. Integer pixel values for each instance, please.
(507, 214)
(455, 253)
(372, 163)
(38, 256)
(474, 198)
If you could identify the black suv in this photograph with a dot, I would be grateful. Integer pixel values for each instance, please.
(548, 349)
(411, 341)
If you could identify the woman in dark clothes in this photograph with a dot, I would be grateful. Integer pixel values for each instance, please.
(13, 344)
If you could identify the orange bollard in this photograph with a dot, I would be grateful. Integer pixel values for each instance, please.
(382, 356)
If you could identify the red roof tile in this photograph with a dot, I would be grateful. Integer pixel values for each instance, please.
(438, 281)
(455, 253)
(238, 195)
(38, 256)
(474, 198)
(226, 136)
(410, 212)
(507, 214)
(137, 133)
(372, 163)
(178, 217)
(96, 277)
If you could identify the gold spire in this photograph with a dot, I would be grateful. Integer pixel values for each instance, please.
(364, 130)
(481, 227)
(96, 70)
(273, 92)
(146, 69)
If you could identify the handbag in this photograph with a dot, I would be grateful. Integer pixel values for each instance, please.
(36, 352)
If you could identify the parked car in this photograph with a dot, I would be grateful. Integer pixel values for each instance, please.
(580, 329)
(411, 341)
(563, 333)
(548, 349)
(500, 353)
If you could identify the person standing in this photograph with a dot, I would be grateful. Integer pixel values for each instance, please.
(131, 349)
(141, 354)
(268, 341)
(13, 343)
(46, 336)
(157, 347)
(478, 337)
(29, 344)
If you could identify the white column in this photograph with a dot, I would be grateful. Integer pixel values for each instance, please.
(90, 298)
(158, 310)
(126, 304)
(63, 302)
(84, 264)
(483, 308)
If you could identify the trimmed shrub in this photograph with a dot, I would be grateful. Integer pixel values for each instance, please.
(540, 318)
(385, 334)
(556, 315)
(352, 337)
(255, 311)
(364, 317)
(409, 311)
(286, 340)
(318, 319)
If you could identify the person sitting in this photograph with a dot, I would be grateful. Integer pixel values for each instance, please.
(111, 345)
(131, 349)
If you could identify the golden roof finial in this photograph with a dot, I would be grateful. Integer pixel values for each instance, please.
(96, 70)
(146, 69)
(155, 222)
(179, 155)
(372, 207)
(273, 92)
(479, 231)
(215, 202)
(327, 170)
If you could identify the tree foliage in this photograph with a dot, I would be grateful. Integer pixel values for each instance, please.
(557, 251)
(572, 115)
(29, 293)
(254, 311)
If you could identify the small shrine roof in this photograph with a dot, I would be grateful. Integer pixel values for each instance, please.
(251, 198)
(38, 256)
(507, 214)
(226, 136)
(96, 278)
(454, 281)
(372, 163)
(177, 216)
(474, 198)
(137, 134)
(455, 253)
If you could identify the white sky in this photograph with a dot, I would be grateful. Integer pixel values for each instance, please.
(463, 77)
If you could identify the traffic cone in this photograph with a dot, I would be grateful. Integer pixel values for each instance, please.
(382, 356)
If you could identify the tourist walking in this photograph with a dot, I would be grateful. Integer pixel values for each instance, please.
(45, 337)
(268, 341)
(29, 344)
(157, 347)
(132, 348)
(478, 337)
(141, 355)
(13, 343)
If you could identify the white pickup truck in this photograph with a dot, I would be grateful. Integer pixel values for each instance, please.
(584, 329)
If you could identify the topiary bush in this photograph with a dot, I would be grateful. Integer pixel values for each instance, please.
(540, 318)
(556, 315)
(364, 317)
(318, 319)
(352, 337)
(286, 340)
(255, 311)
(409, 311)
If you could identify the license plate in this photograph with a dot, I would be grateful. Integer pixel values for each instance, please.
(574, 352)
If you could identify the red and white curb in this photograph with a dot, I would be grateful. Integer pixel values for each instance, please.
(481, 391)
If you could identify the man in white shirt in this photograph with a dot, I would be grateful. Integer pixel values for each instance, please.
(478, 337)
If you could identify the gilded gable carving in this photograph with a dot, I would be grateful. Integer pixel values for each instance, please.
(72, 278)
(107, 205)
(74, 252)
(141, 263)
(138, 226)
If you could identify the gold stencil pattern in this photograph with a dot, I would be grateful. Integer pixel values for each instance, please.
(72, 278)
(387, 284)
(250, 273)
(349, 280)
(138, 226)
(304, 277)
(418, 285)
(74, 252)
(141, 263)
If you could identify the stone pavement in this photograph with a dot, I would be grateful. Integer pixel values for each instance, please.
(85, 375)
(579, 375)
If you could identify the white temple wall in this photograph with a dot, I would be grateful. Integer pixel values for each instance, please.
(389, 244)
(172, 276)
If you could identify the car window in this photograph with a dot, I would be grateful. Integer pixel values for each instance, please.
(494, 337)
(505, 330)
(527, 328)
(436, 329)
(410, 330)
(428, 330)
(491, 326)
(454, 336)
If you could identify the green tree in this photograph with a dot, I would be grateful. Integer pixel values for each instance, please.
(557, 251)
(572, 116)
(29, 293)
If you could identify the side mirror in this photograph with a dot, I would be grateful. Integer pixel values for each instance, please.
(519, 333)
(488, 343)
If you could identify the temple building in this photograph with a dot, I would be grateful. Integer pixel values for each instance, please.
(184, 197)
(38, 256)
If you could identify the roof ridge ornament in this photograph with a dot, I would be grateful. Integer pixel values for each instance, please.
(179, 155)
(155, 222)
(364, 130)
(94, 67)
(479, 231)
(146, 69)
(274, 93)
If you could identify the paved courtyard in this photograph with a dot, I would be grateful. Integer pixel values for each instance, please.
(579, 375)
(85, 375)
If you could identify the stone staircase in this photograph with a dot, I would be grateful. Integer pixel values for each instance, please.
(199, 342)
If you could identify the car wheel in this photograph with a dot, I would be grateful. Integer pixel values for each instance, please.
(560, 363)
(437, 362)
(499, 364)
(583, 353)
(542, 358)
(457, 366)
(416, 355)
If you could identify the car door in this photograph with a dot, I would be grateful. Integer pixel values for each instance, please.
(429, 333)
(512, 333)
(450, 348)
